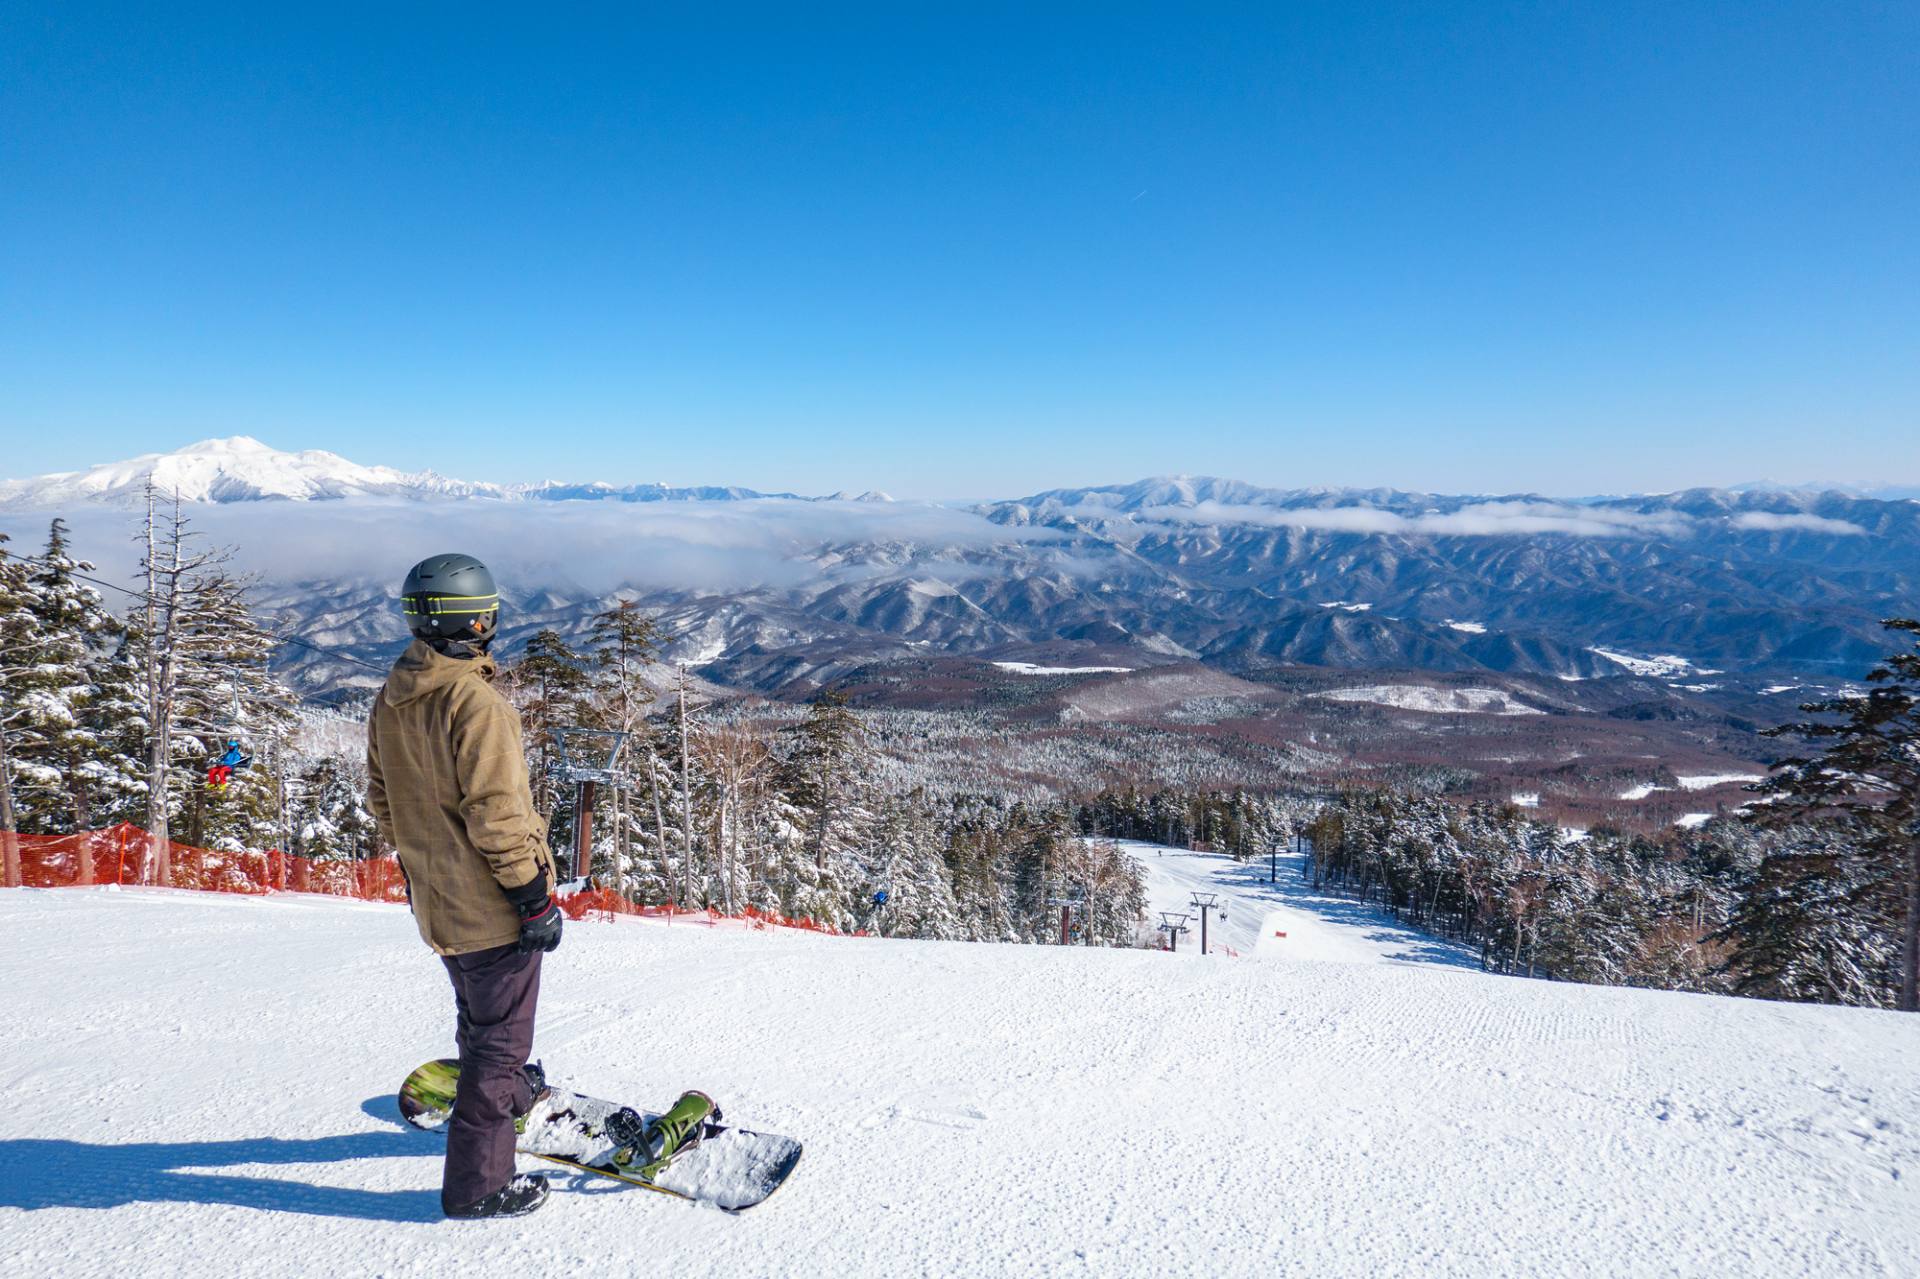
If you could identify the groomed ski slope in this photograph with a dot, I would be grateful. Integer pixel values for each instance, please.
(1273, 912)
(200, 1085)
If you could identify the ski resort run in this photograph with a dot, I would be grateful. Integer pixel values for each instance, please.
(1028, 668)
(1668, 664)
(203, 1084)
(1266, 908)
(1437, 701)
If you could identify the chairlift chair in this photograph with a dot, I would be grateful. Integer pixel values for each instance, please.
(220, 769)
(589, 754)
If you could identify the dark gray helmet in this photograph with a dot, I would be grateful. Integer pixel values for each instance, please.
(451, 596)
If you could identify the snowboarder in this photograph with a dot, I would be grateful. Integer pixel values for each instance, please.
(447, 783)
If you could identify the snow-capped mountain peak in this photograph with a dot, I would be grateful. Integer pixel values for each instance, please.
(238, 468)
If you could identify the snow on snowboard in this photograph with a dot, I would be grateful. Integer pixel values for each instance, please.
(683, 1151)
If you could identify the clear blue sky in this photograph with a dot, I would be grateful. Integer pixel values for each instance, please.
(1450, 246)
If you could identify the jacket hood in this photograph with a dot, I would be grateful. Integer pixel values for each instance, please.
(421, 671)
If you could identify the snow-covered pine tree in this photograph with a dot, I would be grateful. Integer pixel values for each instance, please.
(1591, 926)
(1042, 861)
(552, 685)
(42, 690)
(114, 719)
(227, 693)
(824, 777)
(328, 817)
(1116, 899)
(78, 637)
(652, 870)
(977, 860)
(1685, 948)
(19, 641)
(909, 867)
(1798, 932)
(1866, 777)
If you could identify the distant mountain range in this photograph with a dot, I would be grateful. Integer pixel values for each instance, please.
(242, 469)
(774, 591)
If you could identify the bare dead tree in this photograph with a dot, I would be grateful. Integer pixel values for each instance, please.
(167, 568)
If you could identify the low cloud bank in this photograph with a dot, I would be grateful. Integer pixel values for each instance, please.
(771, 543)
(1486, 519)
(588, 546)
(1769, 521)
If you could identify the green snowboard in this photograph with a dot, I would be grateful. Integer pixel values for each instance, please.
(683, 1151)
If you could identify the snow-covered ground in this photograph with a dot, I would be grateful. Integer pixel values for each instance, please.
(200, 1085)
(1707, 781)
(1272, 911)
(1438, 701)
(1661, 665)
(1028, 668)
(1695, 782)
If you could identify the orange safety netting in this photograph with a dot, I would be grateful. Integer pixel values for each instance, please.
(604, 901)
(127, 855)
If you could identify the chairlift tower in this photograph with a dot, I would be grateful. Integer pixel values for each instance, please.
(1173, 925)
(588, 757)
(1066, 902)
(1205, 902)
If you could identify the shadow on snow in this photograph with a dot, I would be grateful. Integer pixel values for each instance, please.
(51, 1173)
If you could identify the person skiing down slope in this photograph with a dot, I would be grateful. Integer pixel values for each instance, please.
(447, 783)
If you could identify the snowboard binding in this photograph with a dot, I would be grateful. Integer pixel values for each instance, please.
(653, 1144)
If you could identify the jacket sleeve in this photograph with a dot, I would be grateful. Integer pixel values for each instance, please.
(496, 802)
(377, 783)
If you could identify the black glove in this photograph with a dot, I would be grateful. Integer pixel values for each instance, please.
(540, 917)
(541, 930)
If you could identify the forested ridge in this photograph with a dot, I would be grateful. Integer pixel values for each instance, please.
(110, 715)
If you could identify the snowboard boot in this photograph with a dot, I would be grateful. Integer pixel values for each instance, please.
(536, 1084)
(520, 1196)
(654, 1145)
(537, 1092)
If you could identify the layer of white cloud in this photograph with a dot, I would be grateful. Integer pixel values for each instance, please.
(1486, 519)
(1770, 522)
(770, 543)
(592, 546)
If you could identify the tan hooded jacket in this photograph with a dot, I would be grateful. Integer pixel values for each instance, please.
(447, 783)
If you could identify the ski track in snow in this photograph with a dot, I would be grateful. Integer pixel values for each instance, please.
(201, 1085)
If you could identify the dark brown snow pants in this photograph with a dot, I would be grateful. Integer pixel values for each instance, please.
(495, 991)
